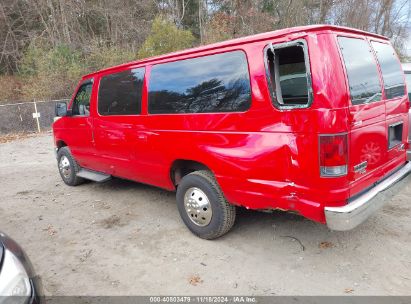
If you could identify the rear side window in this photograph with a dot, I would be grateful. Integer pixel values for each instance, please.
(215, 83)
(362, 72)
(120, 93)
(391, 70)
(288, 75)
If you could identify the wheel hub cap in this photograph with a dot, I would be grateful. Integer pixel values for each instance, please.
(64, 166)
(197, 206)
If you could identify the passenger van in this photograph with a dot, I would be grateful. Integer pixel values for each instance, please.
(312, 120)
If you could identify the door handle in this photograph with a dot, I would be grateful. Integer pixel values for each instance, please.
(142, 136)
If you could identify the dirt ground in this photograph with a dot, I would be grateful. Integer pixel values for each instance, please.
(124, 238)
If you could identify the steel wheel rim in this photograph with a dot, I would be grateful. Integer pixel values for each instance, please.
(64, 167)
(197, 206)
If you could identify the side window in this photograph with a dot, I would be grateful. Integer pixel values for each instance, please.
(362, 72)
(215, 83)
(391, 70)
(120, 93)
(81, 103)
(288, 75)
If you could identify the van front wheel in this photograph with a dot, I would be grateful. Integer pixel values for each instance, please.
(68, 167)
(202, 205)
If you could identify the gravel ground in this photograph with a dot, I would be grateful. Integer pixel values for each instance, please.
(124, 238)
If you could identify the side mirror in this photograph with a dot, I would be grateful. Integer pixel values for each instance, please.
(61, 109)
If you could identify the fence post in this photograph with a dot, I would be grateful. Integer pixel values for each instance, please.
(36, 115)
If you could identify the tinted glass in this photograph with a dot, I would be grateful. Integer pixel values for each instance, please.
(216, 83)
(81, 103)
(391, 70)
(120, 93)
(362, 70)
(293, 75)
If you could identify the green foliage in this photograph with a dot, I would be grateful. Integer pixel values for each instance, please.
(99, 57)
(38, 60)
(165, 37)
(54, 72)
(50, 72)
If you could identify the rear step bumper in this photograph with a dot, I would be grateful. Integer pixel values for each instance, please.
(357, 211)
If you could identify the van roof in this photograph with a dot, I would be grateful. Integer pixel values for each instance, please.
(242, 40)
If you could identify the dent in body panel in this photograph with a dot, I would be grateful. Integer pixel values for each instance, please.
(328, 79)
(270, 159)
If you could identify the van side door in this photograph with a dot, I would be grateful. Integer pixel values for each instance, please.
(118, 122)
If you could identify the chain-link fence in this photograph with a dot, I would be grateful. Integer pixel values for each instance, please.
(27, 117)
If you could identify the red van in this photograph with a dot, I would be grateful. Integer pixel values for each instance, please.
(310, 119)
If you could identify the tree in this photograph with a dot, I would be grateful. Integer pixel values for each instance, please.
(165, 37)
(100, 33)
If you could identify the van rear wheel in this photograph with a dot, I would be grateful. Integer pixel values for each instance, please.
(68, 167)
(202, 205)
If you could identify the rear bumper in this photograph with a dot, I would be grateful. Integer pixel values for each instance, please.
(357, 211)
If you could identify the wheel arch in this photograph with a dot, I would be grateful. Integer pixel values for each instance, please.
(181, 167)
(60, 144)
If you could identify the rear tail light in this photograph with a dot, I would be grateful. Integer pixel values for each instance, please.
(333, 155)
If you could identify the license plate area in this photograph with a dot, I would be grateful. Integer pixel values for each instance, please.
(395, 134)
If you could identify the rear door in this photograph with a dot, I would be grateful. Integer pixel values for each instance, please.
(376, 108)
(396, 104)
(368, 138)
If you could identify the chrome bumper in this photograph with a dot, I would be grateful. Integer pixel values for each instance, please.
(351, 215)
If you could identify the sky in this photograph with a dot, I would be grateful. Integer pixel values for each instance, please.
(403, 16)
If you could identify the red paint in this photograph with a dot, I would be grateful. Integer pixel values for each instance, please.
(263, 158)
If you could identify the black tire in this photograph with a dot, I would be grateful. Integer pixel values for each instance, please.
(223, 213)
(72, 179)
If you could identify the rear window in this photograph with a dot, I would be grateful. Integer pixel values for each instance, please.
(362, 72)
(215, 83)
(288, 75)
(391, 70)
(120, 93)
